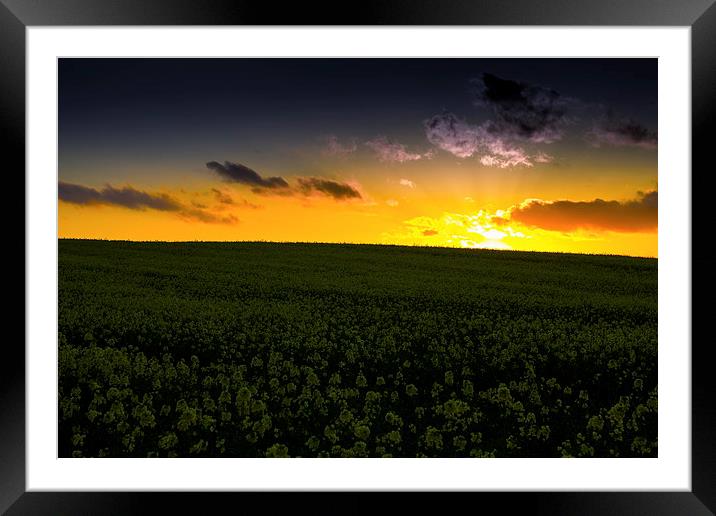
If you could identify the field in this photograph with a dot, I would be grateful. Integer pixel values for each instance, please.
(321, 350)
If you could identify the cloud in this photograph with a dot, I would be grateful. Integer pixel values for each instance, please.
(407, 182)
(522, 110)
(542, 157)
(637, 215)
(392, 203)
(238, 173)
(621, 131)
(126, 197)
(457, 229)
(247, 204)
(521, 113)
(336, 148)
(222, 198)
(133, 199)
(452, 134)
(463, 140)
(390, 151)
(333, 189)
(207, 216)
(502, 155)
(277, 185)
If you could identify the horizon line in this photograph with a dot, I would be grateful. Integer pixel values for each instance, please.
(316, 242)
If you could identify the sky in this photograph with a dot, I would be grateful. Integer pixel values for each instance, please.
(522, 154)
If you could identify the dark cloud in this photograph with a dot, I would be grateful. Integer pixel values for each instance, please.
(636, 215)
(222, 197)
(328, 187)
(247, 204)
(522, 110)
(133, 199)
(126, 197)
(207, 216)
(621, 131)
(238, 173)
(277, 185)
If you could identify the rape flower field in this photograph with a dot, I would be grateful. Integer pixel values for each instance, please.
(333, 350)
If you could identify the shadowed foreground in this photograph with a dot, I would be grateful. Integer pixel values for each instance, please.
(265, 349)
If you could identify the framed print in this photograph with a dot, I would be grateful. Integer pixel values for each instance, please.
(418, 250)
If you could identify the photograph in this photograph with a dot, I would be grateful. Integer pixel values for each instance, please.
(445, 257)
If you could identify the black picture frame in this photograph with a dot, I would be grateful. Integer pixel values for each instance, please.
(700, 15)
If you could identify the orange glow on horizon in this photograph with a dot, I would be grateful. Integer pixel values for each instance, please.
(393, 213)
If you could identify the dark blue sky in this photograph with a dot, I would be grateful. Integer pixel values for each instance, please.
(182, 111)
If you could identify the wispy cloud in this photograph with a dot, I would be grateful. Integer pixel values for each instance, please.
(278, 185)
(407, 182)
(521, 113)
(621, 131)
(222, 197)
(127, 197)
(209, 217)
(130, 198)
(390, 151)
(502, 155)
(336, 148)
(238, 173)
(543, 157)
(463, 140)
(452, 134)
(334, 189)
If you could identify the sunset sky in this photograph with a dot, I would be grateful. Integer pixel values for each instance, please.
(524, 154)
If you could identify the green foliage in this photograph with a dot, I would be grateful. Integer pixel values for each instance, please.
(278, 451)
(362, 432)
(268, 350)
